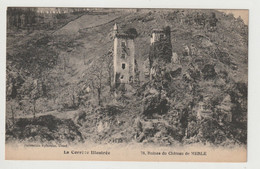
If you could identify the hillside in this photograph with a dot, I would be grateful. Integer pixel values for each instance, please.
(63, 74)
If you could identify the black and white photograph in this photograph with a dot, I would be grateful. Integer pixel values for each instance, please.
(165, 84)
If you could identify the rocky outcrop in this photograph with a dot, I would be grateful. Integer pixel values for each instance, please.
(43, 129)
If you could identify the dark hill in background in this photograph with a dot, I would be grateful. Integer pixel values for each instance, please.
(56, 70)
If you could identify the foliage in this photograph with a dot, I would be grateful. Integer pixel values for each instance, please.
(187, 99)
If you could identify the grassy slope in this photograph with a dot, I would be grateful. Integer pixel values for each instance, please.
(94, 33)
(90, 35)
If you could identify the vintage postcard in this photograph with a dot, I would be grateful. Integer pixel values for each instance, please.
(112, 84)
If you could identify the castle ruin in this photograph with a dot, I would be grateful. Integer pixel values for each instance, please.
(124, 53)
(160, 49)
(124, 57)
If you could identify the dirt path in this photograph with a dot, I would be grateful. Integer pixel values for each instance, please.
(61, 115)
(86, 21)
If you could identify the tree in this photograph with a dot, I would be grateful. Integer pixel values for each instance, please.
(100, 74)
(132, 31)
(14, 16)
(33, 61)
(97, 77)
(31, 91)
(64, 58)
(108, 58)
(12, 107)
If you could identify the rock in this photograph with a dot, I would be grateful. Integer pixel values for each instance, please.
(176, 73)
(45, 128)
(205, 43)
(112, 109)
(140, 138)
(209, 72)
(138, 127)
(154, 104)
(175, 58)
(100, 127)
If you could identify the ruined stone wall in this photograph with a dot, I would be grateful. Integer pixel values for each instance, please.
(156, 37)
(160, 50)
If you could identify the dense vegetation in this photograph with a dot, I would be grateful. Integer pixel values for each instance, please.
(200, 96)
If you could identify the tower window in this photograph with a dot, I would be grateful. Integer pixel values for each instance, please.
(123, 66)
(123, 44)
(123, 55)
(161, 36)
(122, 77)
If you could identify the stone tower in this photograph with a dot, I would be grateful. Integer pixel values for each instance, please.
(124, 57)
(157, 35)
(160, 49)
